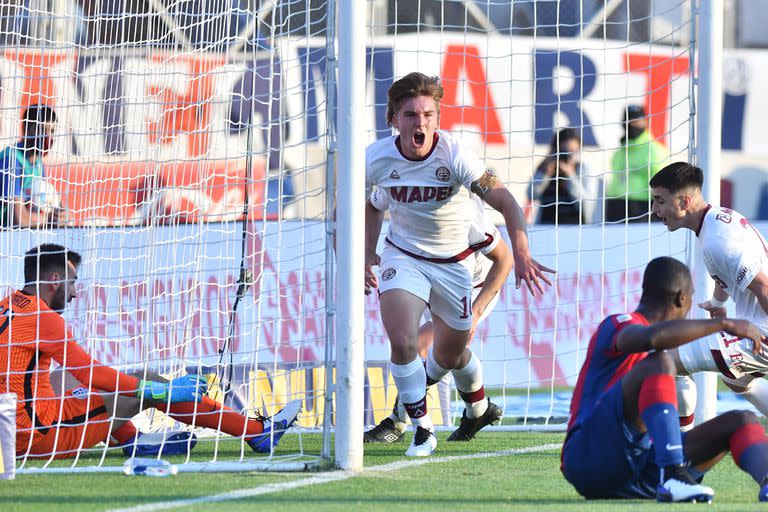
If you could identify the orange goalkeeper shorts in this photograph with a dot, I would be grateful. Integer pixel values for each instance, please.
(83, 423)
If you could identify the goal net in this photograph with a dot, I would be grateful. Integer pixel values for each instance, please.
(188, 169)
(193, 149)
(516, 74)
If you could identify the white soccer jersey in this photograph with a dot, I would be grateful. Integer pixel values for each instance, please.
(482, 226)
(734, 253)
(428, 214)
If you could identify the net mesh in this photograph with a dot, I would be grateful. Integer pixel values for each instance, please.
(192, 142)
(189, 150)
(516, 74)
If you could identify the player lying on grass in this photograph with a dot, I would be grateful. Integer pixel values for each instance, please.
(422, 169)
(736, 257)
(492, 266)
(96, 403)
(623, 439)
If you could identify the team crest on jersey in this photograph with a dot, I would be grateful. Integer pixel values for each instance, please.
(388, 274)
(394, 175)
(723, 217)
(80, 393)
(442, 173)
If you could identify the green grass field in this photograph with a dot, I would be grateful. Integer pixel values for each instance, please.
(511, 482)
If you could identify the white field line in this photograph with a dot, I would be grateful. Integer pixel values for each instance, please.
(329, 476)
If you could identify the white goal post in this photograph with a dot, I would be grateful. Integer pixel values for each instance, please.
(707, 154)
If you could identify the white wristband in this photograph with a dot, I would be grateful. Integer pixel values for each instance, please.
(716, 303)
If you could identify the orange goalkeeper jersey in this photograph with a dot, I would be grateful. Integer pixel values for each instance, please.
(31, 334)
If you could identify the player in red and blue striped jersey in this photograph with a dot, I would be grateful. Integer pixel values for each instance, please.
(624, 440)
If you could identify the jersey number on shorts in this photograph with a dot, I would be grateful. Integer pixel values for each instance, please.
(465, 304)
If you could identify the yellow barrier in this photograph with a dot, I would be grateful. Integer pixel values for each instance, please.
(268, 395)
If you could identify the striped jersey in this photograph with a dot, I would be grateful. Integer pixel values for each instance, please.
(604, 365)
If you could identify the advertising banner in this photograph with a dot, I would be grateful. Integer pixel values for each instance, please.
(505, 95)
(163, 296)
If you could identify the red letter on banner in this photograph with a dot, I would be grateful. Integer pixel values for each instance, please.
(187, 113)
(659, 71)
(37, 85)
(464, 62)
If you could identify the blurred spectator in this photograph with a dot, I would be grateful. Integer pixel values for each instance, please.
(559, 185)
(632, 166)
(27, 198)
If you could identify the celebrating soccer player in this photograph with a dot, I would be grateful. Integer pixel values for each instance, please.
(623, 439)
(57, 416)
(424, 260)
(736, 256)
(491, 268)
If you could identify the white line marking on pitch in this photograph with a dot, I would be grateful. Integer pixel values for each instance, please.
(326, 477)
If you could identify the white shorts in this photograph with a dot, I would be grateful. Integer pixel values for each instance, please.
(445, 287)
(732, 357)
(427, 316)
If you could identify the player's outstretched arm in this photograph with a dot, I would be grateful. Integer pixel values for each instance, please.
(527, 270)
(502, 265)
(57, 342)
(374, 218)
(673, 333)
(716, 305)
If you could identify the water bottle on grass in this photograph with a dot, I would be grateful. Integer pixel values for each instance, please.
(149, 467)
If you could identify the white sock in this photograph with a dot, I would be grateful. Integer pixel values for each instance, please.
(686, 401)
(411, 380)
(435, 372)
(469, 382)
(757, 394)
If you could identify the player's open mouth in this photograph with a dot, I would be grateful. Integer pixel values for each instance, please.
(418, 138)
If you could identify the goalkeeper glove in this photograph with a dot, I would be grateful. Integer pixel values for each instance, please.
(189, 388)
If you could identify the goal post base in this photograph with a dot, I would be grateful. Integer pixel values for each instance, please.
(308, 465)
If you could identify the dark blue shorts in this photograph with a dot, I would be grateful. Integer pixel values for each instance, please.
(605, 457)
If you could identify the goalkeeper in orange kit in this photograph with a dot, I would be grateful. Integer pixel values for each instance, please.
(60, 413)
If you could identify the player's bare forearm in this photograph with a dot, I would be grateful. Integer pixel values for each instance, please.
(719, 293)
(374, 219)
(527, 270)
(497, 276)
(674, 333)
(493, 192)
(763, 300)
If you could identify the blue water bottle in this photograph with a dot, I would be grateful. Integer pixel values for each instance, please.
(149, 467)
